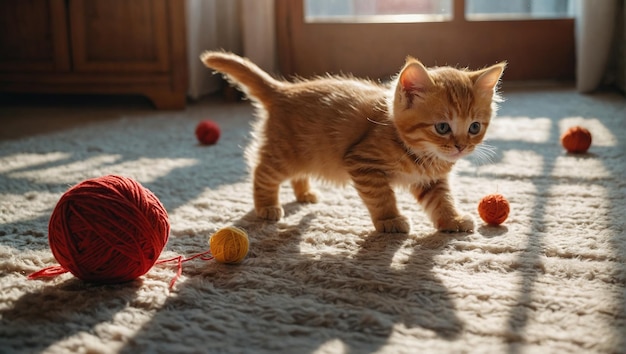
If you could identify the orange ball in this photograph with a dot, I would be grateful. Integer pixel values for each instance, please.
(576, 139)
(493, 209)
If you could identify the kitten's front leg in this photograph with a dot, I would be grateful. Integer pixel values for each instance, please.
(438, 203)
(380, 200)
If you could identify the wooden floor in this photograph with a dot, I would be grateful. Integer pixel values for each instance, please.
(32, 114)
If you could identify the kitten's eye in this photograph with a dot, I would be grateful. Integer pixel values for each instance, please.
(474, 128)
(442, 128)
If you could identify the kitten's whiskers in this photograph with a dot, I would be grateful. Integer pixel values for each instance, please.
(484, 154)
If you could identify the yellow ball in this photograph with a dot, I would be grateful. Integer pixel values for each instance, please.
(229, 245)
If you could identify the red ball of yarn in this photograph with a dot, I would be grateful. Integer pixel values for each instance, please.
(207, 132)
(108, 229)
(493, 209)
(576, 139)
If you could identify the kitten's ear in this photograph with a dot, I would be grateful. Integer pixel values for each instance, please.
(486, 80)
(414, 78)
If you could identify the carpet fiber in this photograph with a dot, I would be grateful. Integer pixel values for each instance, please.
(552, 278)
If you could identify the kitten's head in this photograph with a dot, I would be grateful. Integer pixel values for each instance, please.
(444, 112)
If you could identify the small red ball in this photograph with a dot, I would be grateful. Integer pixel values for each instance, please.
(493, 209)
(576, 140)
(207, 132)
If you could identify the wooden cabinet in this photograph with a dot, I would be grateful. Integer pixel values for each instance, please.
(95, 46)
(33, 36)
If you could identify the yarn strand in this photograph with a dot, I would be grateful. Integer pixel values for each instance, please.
(56, 270)
(48, 272)
(205, 256)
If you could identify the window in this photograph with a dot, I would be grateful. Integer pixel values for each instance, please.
(382, 11)
(516, 9)
(379, 11)
(371, 38)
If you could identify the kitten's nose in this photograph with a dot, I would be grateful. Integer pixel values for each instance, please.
(460, 147)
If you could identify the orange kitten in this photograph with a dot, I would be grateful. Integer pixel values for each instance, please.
(407, 133)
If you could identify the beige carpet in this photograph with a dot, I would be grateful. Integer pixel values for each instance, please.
(552, 279)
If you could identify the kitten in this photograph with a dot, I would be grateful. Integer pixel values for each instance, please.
(408, 133)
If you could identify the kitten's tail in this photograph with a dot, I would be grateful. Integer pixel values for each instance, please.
(241, 71)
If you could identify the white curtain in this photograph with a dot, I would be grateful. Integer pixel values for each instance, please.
(245, 27)
(595, 27)
(259, 33)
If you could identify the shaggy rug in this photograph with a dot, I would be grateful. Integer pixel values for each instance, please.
(551, 279)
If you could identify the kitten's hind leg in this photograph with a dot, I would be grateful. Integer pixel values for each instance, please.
(266, 186)
(302, 190)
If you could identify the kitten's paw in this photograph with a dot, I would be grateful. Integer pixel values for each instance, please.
(398, 224)
(307, 197)
(271, 213)
(461, 223)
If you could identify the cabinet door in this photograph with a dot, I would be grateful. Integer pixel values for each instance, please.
(119, 36)
(33, 36)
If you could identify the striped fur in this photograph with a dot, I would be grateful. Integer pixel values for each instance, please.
(377, 136)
